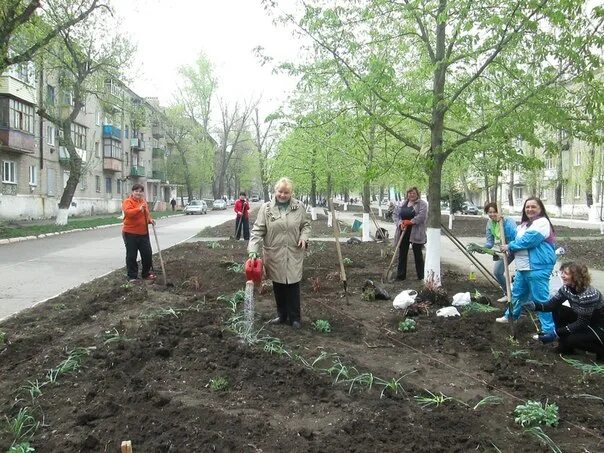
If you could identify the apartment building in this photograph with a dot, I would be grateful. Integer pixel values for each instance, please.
(120, 139)
(581, 166)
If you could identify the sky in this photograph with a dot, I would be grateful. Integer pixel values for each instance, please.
(170, 33)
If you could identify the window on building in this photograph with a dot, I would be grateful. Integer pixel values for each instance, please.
(51, 134)
(50, 95)
(549, 163)
(33, 175)
(9, 172)
(99, 118)
(78, 135)
(51, 182)
(578, 157)
(118, 186)
(578, 191)
(65, 177)
(21, 116)
(127, 132)
(97, 183)
(23, 71)
(112, 148)
(83, 182)
(108, 185)
(97, 151)
(518, 193)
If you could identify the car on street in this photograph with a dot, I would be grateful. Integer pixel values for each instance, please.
(467, 207)
(196, 207)
(219, 204)
(254, 198)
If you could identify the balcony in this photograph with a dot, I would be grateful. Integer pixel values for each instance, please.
(112, 131)
(137, 170)
(159, 153)
(157, 130)
(136, 144)
(111, 164)
(161, 175)
(65, 157)
(17, 141)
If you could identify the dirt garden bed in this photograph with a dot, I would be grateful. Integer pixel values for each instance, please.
(162, 367)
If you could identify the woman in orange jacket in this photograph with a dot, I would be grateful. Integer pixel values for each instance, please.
(135, 232)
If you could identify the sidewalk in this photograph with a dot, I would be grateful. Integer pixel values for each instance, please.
(451, 255)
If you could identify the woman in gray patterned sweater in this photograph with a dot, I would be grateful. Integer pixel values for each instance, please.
(580, 326)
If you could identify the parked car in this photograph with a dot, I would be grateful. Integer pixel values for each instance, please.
(255, 198)
(196, 207)
(219, 204)
(468, 207)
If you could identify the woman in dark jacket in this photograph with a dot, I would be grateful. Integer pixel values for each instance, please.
(412, 215)
(580, 326)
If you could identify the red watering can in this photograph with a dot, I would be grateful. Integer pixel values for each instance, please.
(253, 270)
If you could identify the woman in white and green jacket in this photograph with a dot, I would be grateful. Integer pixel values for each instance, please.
(282, 227)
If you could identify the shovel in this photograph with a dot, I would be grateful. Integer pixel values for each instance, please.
(161, 260)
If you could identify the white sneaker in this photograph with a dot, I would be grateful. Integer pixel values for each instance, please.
(503, 299)
(502, 320)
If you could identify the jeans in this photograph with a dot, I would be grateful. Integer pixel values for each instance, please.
(242, 223)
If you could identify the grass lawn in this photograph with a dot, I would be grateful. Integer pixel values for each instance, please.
(35, 228)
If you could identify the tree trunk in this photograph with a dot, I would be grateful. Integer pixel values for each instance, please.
(511, 190)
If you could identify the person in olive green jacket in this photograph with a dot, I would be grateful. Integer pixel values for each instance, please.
(282, 227)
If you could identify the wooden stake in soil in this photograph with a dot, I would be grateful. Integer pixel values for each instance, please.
(508, 281)
(336, 234)
(126, 446)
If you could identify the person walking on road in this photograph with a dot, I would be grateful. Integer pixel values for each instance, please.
(580, 326)
(283, 229)
(412, 215)
(173, 204)
(242, 221)
(135, 232)
(535, 256)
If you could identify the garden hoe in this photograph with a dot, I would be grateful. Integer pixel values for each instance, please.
(336, 234)
(386, 275)
(508, 282)
(161, 260)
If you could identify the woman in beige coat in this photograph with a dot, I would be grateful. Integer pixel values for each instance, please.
(282, 227)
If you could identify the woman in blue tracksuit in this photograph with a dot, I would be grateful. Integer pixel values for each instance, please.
(493, 233)
(535, 256)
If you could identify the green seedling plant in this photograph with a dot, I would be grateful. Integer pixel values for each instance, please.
(408, 325)
(236, 268)
(59, 307)
(70, 365)
(392, 386)
(2, 338)
(113, 336)
(347, 262)
(488, 401)
(432, 400)
(33, 389)
(322, 325)
(519, 353)
(159, 313)
(586, 368)
(480, 308)
(341, 371)
(533, 413)
(219, 384)
(21, 447)
(214, 245)
(275, 346)
(537, 432)
(362, 380)
(23, 426)
(496, 354)
(368, 295)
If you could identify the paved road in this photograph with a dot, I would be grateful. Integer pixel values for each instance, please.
(34, 271)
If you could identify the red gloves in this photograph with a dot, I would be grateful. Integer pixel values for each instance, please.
(406, 223)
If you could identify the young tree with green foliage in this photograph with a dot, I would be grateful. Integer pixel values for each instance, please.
(83, 60)
(439, 60)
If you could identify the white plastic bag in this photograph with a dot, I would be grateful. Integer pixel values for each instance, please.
(447, 312)
(404, 299)
(461, 299)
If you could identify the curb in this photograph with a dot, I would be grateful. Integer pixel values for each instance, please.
(45, 235)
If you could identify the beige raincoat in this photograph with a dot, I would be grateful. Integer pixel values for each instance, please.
(280, 233)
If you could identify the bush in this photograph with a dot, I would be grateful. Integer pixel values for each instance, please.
(533, 413)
